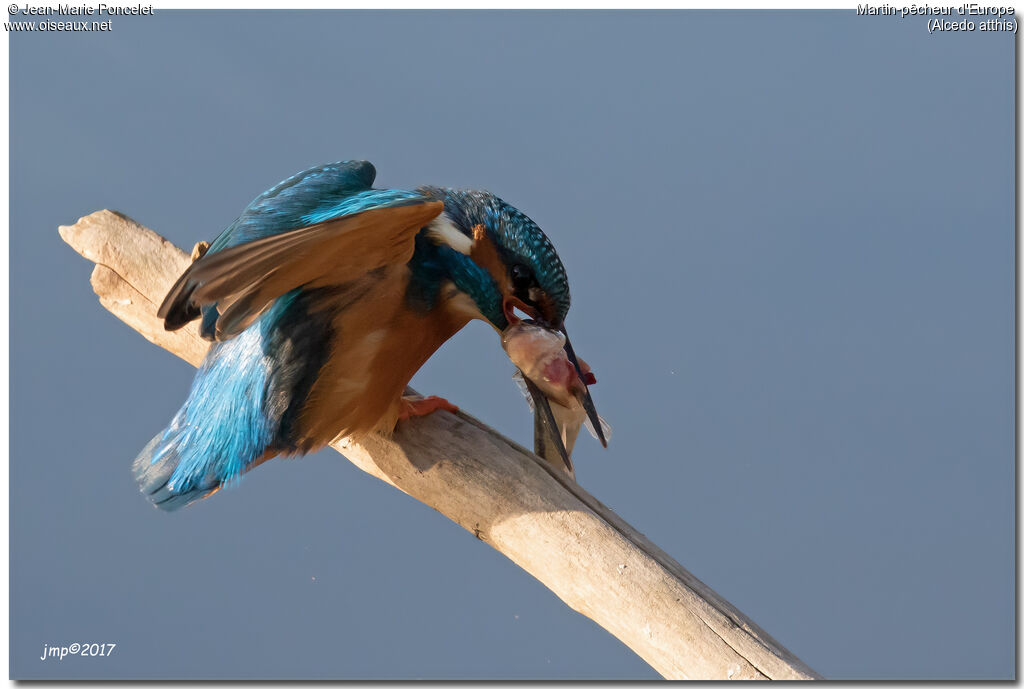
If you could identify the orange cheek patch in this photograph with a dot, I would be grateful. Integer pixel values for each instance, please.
(485, 255)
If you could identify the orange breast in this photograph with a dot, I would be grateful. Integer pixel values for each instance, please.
(379, 345)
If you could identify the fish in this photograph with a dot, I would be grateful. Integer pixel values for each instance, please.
(553, 388)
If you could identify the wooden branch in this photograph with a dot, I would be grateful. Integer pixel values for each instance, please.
(498, 491)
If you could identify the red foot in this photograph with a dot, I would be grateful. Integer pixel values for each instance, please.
(422, 407)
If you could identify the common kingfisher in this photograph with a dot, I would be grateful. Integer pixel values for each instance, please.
(322, 300)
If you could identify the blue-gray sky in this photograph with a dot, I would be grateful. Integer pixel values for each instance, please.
(790, 242)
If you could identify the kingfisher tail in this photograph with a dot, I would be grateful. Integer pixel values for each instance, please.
(155, 467)
(228, 425)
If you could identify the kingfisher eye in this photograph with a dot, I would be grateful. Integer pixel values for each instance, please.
(522, 277)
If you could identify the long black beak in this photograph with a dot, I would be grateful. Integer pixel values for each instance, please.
(546, 434)
(588, 401)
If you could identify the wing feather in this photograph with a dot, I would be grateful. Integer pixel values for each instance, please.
(243, 280)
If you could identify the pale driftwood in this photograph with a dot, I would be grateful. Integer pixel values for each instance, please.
(501, 493)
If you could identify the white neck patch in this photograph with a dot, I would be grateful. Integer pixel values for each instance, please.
(442, 230)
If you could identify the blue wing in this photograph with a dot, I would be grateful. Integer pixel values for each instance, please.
(313, 198)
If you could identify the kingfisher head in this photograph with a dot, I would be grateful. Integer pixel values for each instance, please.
(508, 267)
(513, 270)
